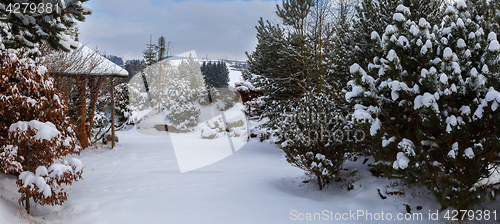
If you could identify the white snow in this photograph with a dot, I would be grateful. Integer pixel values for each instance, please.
(356, 90)
(443, 78)
(419, 41)
(492, 95)
(401, 162)
(493, 179)
(234, 76)
(41, 171)
(461, 4)
(485, 69)
(355, 68)
(375, 127)
(465, 110)
(398, 17)
(427, 100)
(389, 29)
(494, 46)
(461, 43)
(75, 163)
(31, 100)
(492, 36)
(87, 9)
(472, 35)
(468, 53)
(452, 120)
(403, 41)
(45, 130)
(407, 146)
(374, 35)
(28, 178)
(460, 23)
(469, 153)
(478, 114)
(423, 23)
(395, 87)
(426, 47)
(95, 64)
(386, 142)
(58, 169)
(391, 56)
(447, 53)
(403, 9)
(454, 150)
(450, 10)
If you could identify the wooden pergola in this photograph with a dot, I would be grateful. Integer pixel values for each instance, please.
(86, 65)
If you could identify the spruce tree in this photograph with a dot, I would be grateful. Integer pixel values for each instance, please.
(216, 74)
(149, 53)
(315, 136)
(29, 29)
(161, 48)
(190, 68)
(432, 96)
(290, 65)
(180, 107)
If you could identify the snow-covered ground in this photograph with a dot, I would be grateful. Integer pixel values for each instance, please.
(140, 182)
(234, 76)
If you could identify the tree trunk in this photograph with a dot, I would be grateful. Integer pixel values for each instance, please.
(27, 168)
(319, 183)
(95, 84)
(112, 113)
(82, 133)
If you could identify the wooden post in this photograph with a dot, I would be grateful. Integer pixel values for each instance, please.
(112, 114)
(82, 110)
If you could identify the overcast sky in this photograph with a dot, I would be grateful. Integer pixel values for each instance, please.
(219, 29)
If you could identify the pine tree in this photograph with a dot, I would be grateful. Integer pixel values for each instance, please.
(315, 136)
(180, 107)
(216, 74)
(35, 132)
(190, 69)
(149, 53)
(161, 48)
(432, 96)
(291, 65)
(28, 29)
(158, 77)
(133, 67)
(353, 43)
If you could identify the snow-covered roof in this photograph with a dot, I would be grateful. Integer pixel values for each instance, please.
(82, 61)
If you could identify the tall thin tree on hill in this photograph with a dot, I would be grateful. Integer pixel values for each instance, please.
(150, 53)
(163, 49)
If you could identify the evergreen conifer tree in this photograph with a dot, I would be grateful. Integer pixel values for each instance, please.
(290, 66)
(149, 53)
(433, 100)
(216, 74)
(181, 110)
(29, 29)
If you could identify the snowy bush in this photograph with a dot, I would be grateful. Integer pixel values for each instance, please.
(180, 108)
(184, 87)
(313, 137)
(34, 132)
(434, 98)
